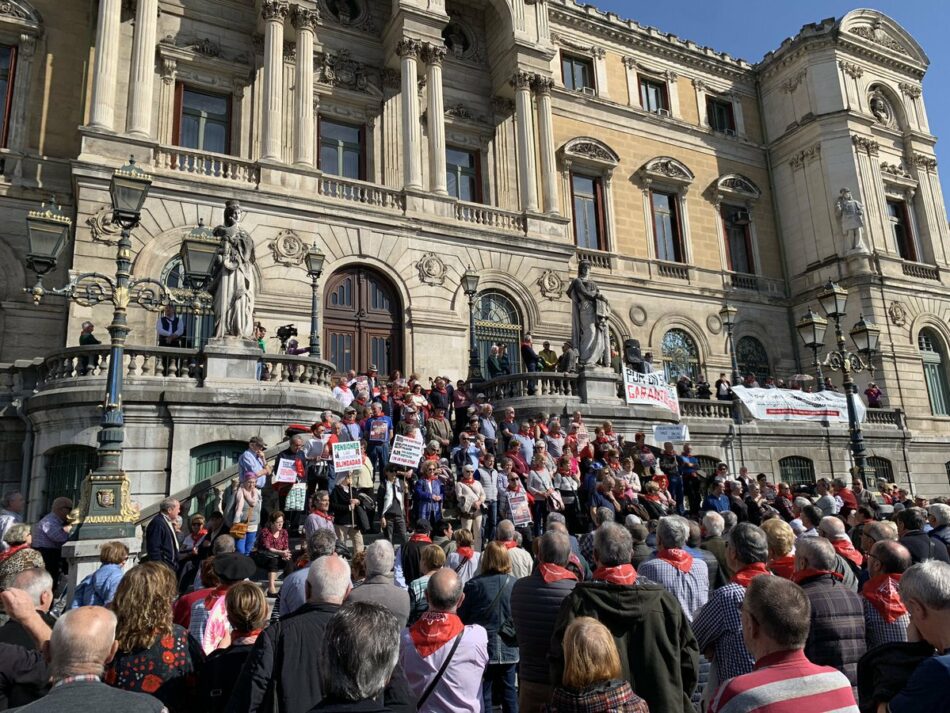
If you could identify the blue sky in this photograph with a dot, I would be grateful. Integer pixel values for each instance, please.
(750, 28)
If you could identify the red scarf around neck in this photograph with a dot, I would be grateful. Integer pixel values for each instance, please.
(433, 631)
(220, 591)
(554, 573)
(810, 573)
(465, 553)
(748, 573)
(783, 566)
(510, 544)
(419, 537)
(325, 515)
(846, 549)
(681, 559)
(882, 591)
(621, 574)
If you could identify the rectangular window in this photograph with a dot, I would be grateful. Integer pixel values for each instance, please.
(577, 73)
(720, 115)
(204, 121)
(462, 175)
(666, 227)
(653, 96)
(7, 62)
(342, 149)
(900, 227)
(736, 225)
(588, 198)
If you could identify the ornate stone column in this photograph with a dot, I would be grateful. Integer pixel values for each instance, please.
(542, 85)
(102, 113)
(304, 21)
(142, 74)
(408, 50)
(273, 12)
(435, 110)
(527, 161)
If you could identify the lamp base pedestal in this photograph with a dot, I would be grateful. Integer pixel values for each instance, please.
(231, 359)
(597, 383)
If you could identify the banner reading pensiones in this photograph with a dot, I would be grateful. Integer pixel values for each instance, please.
(788, 405)
(650, 390)
(347, 456)
(406, 451)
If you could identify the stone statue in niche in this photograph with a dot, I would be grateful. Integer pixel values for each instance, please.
(233, 281)
(589, 313)
(851, 216)
(880, 108)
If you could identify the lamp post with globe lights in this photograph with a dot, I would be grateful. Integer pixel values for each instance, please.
(470, 287)
(727, 314)
(315, 259)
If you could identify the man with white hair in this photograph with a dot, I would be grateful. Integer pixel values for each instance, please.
(675, 569)
(832, 528)
(521, 560)
(38, 583)
(925, 591)
(161, 540)
(939, 517)
(379, 587)
(713, 541)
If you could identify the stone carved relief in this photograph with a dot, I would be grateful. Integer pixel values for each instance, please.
(894, 169)
(875, 33)
(881, 108)
(869, 146)
(288, 248)
(432, 270)
(638, 315)
(350, 13)
(928, 163)
(791, 84)
(461, 43)
(591, 150)
(551, 285)
(911, 90)
(274, 9)
(714, 324)
(897, 313)
(13, 8)
(339, 69)
(666, 167)
(805, 156)
(101, 226)
(851, 69)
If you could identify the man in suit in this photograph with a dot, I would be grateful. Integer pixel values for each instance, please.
(161, 540)
(391, 504)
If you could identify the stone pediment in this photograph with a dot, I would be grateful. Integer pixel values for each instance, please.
(883, 34)
(737, 187)
(668, 170)
(590, 150)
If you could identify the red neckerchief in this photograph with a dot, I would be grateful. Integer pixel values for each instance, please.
(748, 573)
(510, 544)
(621, 574)
(343, 386)
(783, 566)
(201, 533)
(12, 551)
(845, 548)
(681, 559)
(882, 591)
(809, 573)
(219, 591)
(419, 537)
(555, 573)
(237, 636)
(325, 515)
(465, 553)
(469, 481)
(433, 631)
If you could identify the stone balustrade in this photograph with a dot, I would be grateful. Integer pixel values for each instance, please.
(885, 417)
(290, 369)
(542, 383)
(921, 271)
(76, 365)
(193, 163)
(489, 217)
(361, 192)
(672, 270)
(705, 408)
(596, 258)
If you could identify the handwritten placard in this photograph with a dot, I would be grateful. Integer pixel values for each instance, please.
(406, 452)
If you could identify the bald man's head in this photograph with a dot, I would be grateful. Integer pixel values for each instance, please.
(82, 643)
(889, 557)
(444, 591)
(832, 528)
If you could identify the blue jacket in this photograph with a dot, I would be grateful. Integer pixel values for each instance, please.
(719, 504)
(161, 545)
(98, 589)
(487, 605)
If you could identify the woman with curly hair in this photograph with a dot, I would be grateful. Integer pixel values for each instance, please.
(155, 656)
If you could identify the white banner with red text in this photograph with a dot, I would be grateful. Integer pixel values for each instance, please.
(650, 390)
(789, 405)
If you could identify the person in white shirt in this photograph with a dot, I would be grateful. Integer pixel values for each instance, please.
(170, 328)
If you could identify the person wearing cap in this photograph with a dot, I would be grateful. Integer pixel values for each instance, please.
(372, 380)
(252, 463)
(547, 357)
(209, 616)
(439, 429)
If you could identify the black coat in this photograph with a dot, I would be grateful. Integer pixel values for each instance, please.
(219, 677)
(941, 533)
(837, 635)
(923, 547)
(534, 607)
(24, 677)
(483, 606)
(160, 542)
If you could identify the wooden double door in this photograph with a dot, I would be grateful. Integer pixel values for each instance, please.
(362, 321)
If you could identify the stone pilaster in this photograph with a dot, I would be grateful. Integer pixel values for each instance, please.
(304, 22)
(102, 114)
(274, 12)
(527, 161)
(433, 56)
(542, 87)
(408, 50)
(142, 74)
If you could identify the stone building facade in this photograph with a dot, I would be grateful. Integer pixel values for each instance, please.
(413, 139)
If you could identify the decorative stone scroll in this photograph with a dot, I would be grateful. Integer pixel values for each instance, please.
(551, 285)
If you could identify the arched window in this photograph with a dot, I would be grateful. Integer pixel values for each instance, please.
(65, 469)
(212, 458)
(933, 352)
(752, 359)
(879, 468)
(198, 327)
(497, 322)
(796, 470)
(680, 355)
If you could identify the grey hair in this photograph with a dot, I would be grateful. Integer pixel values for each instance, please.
(9, 497)
(87, 323)
(672, 531)
(167, 504)
(749, 543)
(379, 558)
(729, 520)
(817, 552)
(555, 548)
(74, 648)
(34, 582)
(321, 544)
(555, 517)
(839, 483)
(517, 538)
(223, 544)
(298, 439)
(929, 583)
(713, 523)
(17, 533)
(613, 545)
(329, 580)
(940, 513)
(360, 650)
(832, 528)
(801, 502)
(505, 531)
(604, 515)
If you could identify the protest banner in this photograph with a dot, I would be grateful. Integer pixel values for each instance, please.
(286, 471)
(583, 437)
(520, 511)
(347, 456)
(789, 405)
(650, 390)
(406, 451)
(672, 432)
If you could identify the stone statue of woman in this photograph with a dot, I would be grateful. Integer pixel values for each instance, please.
(589, 313)
(234, 279)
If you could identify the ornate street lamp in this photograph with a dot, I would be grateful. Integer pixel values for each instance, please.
(811, 328)
(47, 230)
(315, 260)
(129, 189)
(833, 300)
(197, 253)
(728, 317)
(470, 287)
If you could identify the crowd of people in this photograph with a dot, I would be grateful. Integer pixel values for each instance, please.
(526, 563)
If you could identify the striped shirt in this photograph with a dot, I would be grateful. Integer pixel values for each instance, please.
(786, 682)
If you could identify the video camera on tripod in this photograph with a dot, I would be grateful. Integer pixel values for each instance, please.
(284, 333)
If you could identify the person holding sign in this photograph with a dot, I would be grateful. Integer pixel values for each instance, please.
(379, 433)
(541, 486)
(348, 515)
(514, 502)
(290, 468)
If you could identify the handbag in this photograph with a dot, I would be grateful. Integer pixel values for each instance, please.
(296, 497)
(506, 632)
(239, 529)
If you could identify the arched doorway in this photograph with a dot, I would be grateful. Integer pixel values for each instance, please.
(362, 321)
(497, 322)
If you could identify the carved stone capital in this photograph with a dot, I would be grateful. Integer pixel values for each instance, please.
(27, 47)
(791, 84)
(869, 146)
(433, 54)
(630, 62)
(409, 47)
(928, 163)
(304, 18)
(700, 85)
(598, 52)
(851, 69)
(542, 85)
(274, 10)
(521, 80)
(169, 70)
(911, 90)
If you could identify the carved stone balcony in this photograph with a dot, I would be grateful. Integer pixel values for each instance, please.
(921, 271)
(487, 216)
(203, 164)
